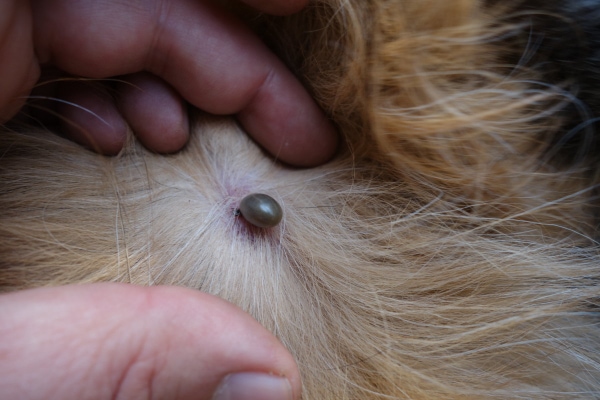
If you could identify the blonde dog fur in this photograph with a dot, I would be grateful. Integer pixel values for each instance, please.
(447, 252)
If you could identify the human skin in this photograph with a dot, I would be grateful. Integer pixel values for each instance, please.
(163, 52)
(124, 341)
(118, 341)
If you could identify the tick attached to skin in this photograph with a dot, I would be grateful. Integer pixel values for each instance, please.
(261, 210)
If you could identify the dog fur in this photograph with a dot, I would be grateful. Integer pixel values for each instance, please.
(448, 251)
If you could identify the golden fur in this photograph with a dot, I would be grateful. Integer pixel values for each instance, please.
(445, 253)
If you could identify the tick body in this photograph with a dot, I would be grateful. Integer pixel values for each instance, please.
(261, 210)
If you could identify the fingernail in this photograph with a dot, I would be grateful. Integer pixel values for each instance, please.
(253, 386)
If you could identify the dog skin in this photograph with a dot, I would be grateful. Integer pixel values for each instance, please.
(447, 251)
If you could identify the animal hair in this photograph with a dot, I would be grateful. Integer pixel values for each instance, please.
(448, 250)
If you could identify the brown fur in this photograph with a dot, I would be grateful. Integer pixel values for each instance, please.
(441, 254)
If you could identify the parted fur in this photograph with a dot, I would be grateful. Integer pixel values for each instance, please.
(447, 252)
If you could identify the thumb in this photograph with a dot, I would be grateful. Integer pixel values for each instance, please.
(113, 341)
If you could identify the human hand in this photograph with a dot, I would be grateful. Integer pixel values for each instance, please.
(122, 341)
(162, 52)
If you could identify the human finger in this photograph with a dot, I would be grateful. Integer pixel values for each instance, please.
(208, 56)
(154, 111)
(19, 69)
(97, 114)
(90, 117)
(121, 341)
